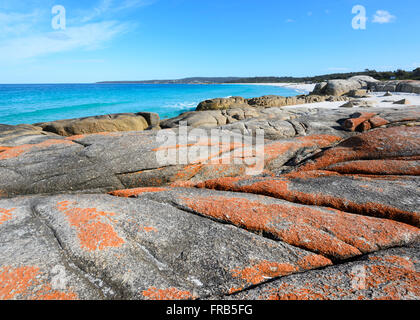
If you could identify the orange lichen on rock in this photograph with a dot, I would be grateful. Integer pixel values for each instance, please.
(289, 292)
(127, 193)
(5, 148)
(235, 290)
(76, 137)
(263, 271)
(212, 150)
(149, 229)
(374, 145)
(396, 282)
(359, 121)
(330, 232)
(17, 151)
(273, 150)
(313, 261)
(403, 262)
(280, 188)
(378, 122)
(187, 172)
(167, 294)
(378, 167)
(5, 215)
(92, 231)
(24, 283)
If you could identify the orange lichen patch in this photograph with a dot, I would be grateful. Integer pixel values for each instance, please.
(235, 290)
(4, 148)
(17, 151)
(183, 184)
(378, 122)
(264, 270)
(76, 137)
(313, 261)
(93, 233)
(381, 167)
(397, 283)
(389, 277)
(330, 232)
(303, 175)
(135, 192)
(273, 150)
(5, 215)
(373, 145)
(187, 172)
(167, 294)
(402, 262)
(25, 283)
(360, 122)
(289, 292)
(280, 188)
(285, 222)
(149, 229)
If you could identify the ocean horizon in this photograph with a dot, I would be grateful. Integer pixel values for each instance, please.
(33, 103)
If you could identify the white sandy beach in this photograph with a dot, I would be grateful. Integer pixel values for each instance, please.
(303, 88)
(377, 98)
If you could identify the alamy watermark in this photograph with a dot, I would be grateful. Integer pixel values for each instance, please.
(359, 276)
(187, 146)
(359, 21)
(60, 279)
(58, 21)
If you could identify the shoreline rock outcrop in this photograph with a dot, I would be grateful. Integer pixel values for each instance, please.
(107, 123)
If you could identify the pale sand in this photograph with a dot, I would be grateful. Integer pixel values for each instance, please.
(303, 88)
(377, 97)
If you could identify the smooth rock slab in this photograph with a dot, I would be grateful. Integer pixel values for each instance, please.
(32, 264)
(145, 249)
(332, 233)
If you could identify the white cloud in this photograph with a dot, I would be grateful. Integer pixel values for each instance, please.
(87, 37)
(29, 35)
(15, 23)
(383, 16)
(107, 7)
(289, 21)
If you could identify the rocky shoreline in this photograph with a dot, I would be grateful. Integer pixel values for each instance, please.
(88, 210)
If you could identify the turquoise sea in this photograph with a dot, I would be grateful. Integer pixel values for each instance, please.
(47, 102)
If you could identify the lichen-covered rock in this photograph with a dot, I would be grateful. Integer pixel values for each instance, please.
(391, 274)
(33, 266)
(315, 210)
(385, 197)
(111, 247)
(383, 143)
(335, 234)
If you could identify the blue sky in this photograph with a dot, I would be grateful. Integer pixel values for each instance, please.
(165, 39)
